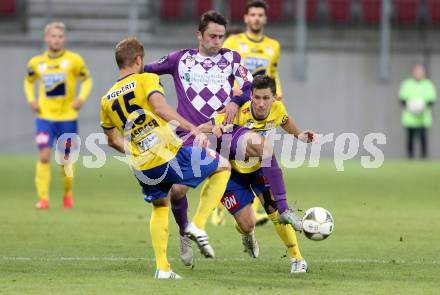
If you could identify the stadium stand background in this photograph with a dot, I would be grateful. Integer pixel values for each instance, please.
(342, 90)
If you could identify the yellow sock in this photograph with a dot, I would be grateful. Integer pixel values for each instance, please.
(67, 181)
(288, 235)
(241, 231)
(212, 192)
(159, 236)
(42, 180)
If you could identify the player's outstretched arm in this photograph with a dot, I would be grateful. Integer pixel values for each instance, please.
(114, 139)
(165, 111)
(291, 128)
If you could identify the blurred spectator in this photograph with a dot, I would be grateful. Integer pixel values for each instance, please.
(417, 95)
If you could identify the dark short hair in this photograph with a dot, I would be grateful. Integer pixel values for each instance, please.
(127, 50)
(257, 4)
(211, 16)
(264, 82)
(234, 30)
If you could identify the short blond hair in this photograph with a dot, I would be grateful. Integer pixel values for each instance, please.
(127, 50)
(54, 25)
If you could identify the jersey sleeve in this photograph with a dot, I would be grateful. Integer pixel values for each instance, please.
(243, 77)
(404, 91)
(431, 93)
(29, 80)
(280, 113)
(165, 65)
(106, 122)
(276, 75)
(152, 85)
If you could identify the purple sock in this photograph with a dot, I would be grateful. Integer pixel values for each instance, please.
(274, 175)
(180, 212)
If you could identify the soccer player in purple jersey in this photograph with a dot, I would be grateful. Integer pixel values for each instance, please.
(204, 78)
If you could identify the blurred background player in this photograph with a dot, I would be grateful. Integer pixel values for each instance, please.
(136, 108)
(199, 100)
(417, 95)
(260, 55)
(56, 106)
(251, 139)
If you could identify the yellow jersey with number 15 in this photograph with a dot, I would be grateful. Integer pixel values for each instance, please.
(259, 56)
(152, 142)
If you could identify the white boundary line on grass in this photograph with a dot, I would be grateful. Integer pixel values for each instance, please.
(115, 258)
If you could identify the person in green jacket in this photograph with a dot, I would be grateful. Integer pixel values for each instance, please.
(417, 95)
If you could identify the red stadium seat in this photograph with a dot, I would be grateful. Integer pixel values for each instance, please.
(434, 11)
(237, 8)
(170, 9)
(8, 7)
(203, 6)
(275, 12)
(405, 11)
(311, 9)
(371, 11)
(340, 10)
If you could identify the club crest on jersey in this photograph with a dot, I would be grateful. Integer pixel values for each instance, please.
(249, 124)
(269, 50)
(42, 67)
(190, 62)
(65, 64)
(270, 124)
(243, 47)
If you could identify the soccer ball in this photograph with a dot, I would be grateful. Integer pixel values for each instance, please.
(317, 224)
(416, 106)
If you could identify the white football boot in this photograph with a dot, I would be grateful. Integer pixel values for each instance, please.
(298, 266)
(201, 238)
(251, 245)
(166, 275)
(186, 251)
(289, 217)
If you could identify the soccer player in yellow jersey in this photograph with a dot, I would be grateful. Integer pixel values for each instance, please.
(260, 55)
(56, 106)
(135, 116)
(251, 138)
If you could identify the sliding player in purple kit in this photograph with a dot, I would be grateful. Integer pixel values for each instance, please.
(204, 78)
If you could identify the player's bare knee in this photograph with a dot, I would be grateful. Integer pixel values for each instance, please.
(44, 156)
(178, 191)
(246, 225)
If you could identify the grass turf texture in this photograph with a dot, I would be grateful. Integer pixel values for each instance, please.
(386, 237)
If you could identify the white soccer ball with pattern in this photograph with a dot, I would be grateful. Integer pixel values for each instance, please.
(317, 224)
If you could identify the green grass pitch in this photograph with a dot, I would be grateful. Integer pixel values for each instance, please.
(386, 238)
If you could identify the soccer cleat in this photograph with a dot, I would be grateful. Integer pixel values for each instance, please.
(186, 251)
(289, 217)
(261, 218)
(250, 245)
(201, 238)
(42, 205)
(298, 266)
(218, 217)
(166, 275)
(68, 202)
